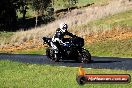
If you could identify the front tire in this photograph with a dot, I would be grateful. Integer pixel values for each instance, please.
(84, 56)
(51, 54)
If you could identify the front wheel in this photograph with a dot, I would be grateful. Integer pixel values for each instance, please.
(84, 56)
(51, 54)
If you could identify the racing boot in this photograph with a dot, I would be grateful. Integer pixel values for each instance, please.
(56, 56)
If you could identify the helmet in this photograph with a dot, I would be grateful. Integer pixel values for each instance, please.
(63, 27)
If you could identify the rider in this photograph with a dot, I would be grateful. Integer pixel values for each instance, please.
(58, 37)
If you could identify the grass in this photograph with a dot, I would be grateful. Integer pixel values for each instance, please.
(24, 75)
(97, 2)
(88, 26)
(112, 48)
(35, 51)
(82, 25)
(5, 37)
(123, 18)
(59, 4)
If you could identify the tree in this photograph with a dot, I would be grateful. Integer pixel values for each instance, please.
(40, 7)
(8, 18)
(22, 7)
(9, 8)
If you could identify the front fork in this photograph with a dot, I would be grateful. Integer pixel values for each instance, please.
(81, 50)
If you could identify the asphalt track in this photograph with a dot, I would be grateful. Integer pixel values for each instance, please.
(98, 62)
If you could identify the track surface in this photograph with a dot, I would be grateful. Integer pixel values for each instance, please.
(98, 62)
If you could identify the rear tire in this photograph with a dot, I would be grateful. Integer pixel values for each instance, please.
(51, 54)
(84, 56)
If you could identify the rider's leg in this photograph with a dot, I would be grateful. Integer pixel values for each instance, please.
(53, 45)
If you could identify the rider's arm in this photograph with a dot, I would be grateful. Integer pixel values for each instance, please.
(70, 34)
(57, 38)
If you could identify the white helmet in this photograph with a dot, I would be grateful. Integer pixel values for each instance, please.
(63, 27)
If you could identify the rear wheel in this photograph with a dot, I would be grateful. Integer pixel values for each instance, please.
(84, 56)
(51, 54)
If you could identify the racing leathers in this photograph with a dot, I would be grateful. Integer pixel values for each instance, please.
(57, 39)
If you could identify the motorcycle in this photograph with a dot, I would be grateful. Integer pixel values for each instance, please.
(71, 50)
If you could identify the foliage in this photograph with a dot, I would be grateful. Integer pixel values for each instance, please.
(9, 9)
(8, 16)
(40, 5)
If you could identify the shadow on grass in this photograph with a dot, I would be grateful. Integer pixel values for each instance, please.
(98, 62)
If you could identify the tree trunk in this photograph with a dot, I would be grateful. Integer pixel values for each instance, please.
(36, 21)
(24, 9)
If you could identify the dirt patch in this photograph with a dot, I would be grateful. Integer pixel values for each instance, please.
(109, 35)
(29, 45)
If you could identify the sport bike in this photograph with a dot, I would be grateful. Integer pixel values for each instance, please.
(71, 50)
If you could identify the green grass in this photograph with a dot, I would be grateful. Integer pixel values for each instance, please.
(97, 2)
(112, 48)
(20, 75)
(5, 36)
(59, 4)
(116, 48)
(122, 19)
(36, 51)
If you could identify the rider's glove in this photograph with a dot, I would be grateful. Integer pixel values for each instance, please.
(75, 36)
(64, 44)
